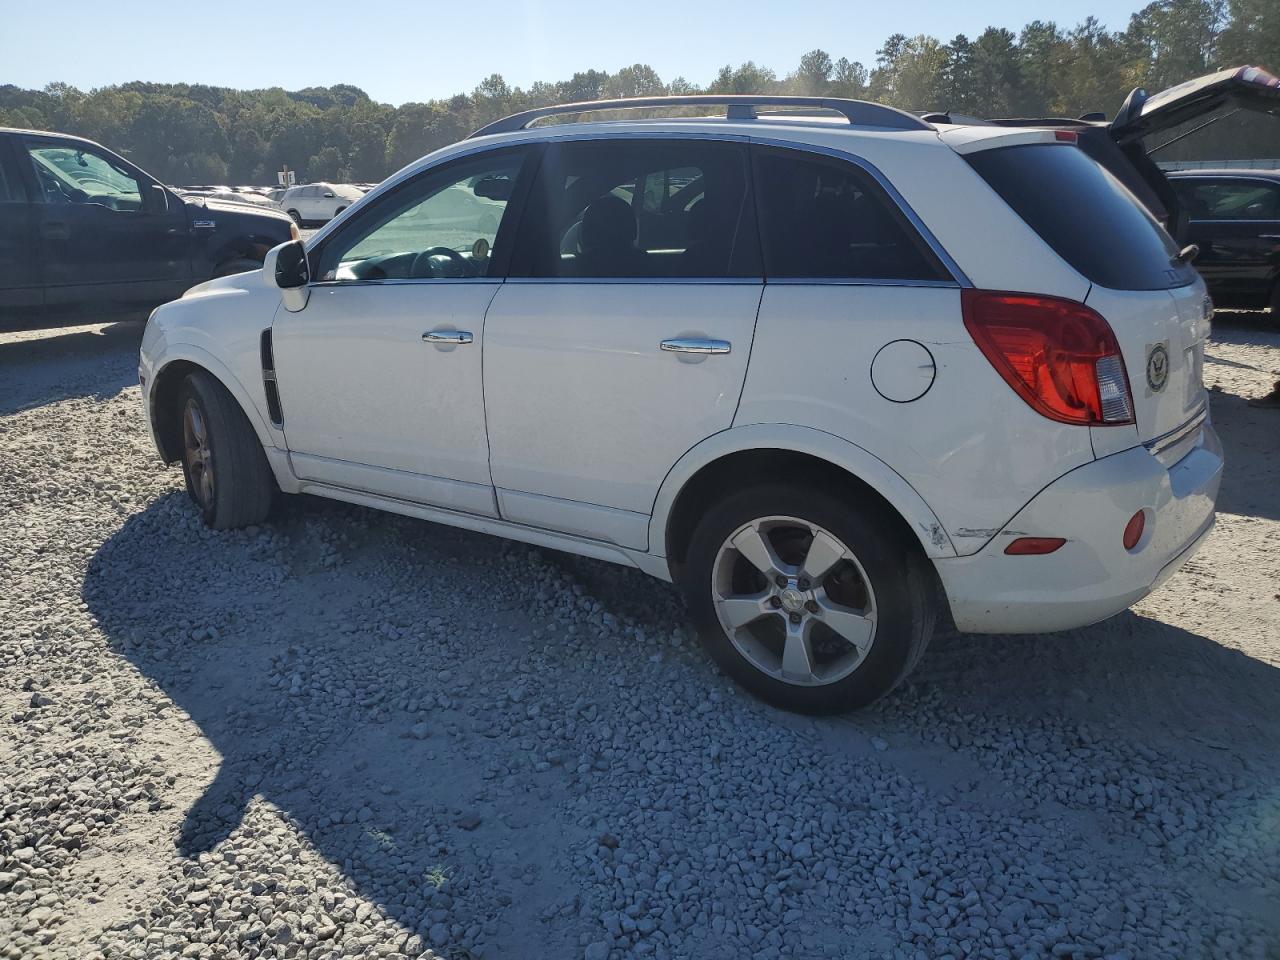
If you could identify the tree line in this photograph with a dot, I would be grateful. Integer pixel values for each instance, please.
(191, 133)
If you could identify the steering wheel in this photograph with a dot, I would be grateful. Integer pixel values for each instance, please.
(422, 268)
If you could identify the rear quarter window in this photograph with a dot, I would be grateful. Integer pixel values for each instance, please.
(1085, 214)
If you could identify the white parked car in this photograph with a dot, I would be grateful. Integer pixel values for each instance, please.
(829, 377)
(318, 202)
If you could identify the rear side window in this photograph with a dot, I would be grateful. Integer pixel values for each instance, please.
(1084, 214)
(823, 218)
(1229, 199)
(636, 209)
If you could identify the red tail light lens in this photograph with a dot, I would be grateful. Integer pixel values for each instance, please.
(1061, 357)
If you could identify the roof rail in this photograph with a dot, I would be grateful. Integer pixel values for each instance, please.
(737, 107)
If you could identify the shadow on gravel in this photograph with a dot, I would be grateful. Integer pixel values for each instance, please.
(343, 699)
(368, 676)
(41, 367)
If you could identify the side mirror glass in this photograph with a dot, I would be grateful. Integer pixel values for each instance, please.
(291, 265)
(155, 199)
(329, 196)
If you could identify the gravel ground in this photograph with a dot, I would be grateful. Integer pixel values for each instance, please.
(345, 734)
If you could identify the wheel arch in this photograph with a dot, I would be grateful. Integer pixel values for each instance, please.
(764, 452)
(166, 382)
(245, 246)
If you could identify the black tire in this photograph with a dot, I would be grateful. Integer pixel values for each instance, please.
(297, 217)
(238, 265)
(228, 479)
(901, 582)
(338, 211)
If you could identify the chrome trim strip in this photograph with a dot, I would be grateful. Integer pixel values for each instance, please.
(1178, 434)
(569, 135)
(860, 282)
(1176, 175)
(1237, 220)
(403, 281)
(647, 281)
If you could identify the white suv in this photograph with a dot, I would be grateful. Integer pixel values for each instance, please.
(318, 202)
(828, 377)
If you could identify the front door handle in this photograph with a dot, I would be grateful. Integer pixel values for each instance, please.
(447, 336)
(695, 345)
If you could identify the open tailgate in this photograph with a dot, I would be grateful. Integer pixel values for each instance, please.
(1239, 88)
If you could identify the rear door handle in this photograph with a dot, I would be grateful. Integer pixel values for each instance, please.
(695, 345)
(447, 336)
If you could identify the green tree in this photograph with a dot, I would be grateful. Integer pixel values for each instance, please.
(637, 80)
(813, 77)
(849, 79)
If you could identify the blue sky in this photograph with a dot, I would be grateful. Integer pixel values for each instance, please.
(399, 50)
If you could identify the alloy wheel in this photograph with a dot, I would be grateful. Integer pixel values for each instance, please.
(197, 453)
(794, 601)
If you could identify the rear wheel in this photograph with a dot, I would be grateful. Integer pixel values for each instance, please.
(225, 468)
(809, 603)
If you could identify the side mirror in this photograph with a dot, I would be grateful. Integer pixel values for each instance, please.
(285, 267)
(328, 196)
(290, 265)
(155, 199)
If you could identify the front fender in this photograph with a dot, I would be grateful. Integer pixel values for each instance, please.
(816, 443)
(249, 400)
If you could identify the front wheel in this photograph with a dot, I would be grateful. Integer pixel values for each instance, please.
(223, 463)
(814, 603)
(296, 216)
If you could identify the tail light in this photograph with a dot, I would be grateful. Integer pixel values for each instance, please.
(1060, 356)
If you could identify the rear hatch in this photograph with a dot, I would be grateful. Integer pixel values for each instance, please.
(1154, 303)
(1238, 88)
(1146, 123)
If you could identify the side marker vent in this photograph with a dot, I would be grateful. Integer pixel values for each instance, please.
(269, 380)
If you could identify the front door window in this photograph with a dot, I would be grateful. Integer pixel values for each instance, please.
(442, 226)
(74, 175)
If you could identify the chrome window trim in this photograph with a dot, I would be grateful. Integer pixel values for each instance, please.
(647, 281)
(401, 281)
(861, 282)
(1227, 178)
(959, 279)
(1236, 220)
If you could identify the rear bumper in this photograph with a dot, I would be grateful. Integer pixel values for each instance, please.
(1092, 576)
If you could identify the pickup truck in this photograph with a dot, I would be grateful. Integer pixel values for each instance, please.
(85, 235)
